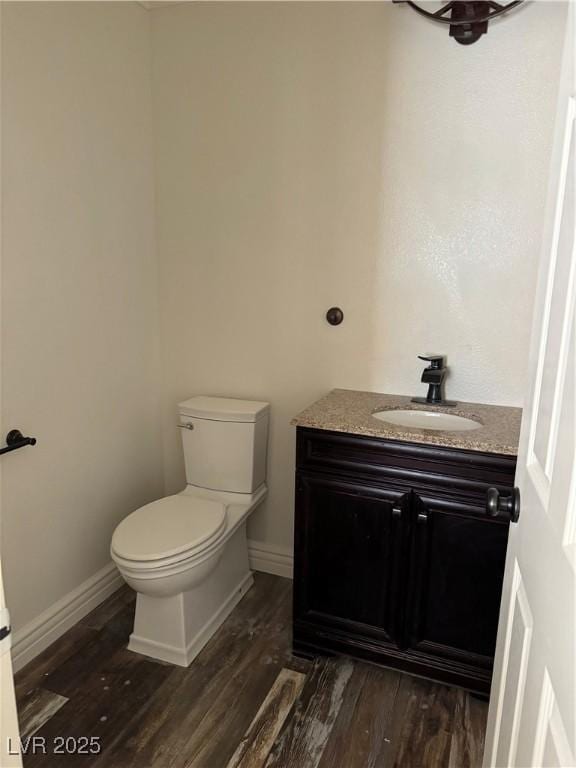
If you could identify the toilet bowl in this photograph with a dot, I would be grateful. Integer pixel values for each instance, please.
(170, 545)
(186, 555)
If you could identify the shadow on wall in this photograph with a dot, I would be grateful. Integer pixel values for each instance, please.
(313, 154)
(80, 340)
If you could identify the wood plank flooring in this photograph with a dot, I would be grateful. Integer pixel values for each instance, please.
(245, 702)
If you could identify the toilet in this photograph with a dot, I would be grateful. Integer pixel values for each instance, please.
(186, 555)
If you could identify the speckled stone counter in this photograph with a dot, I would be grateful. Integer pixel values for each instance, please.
(346, 410)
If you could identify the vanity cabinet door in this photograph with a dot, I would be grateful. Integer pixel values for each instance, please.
(457, 568)
(349, 554)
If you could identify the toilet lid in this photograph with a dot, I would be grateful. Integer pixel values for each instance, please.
(168, 527)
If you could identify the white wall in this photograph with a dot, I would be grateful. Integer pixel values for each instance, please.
(79, 281)
(312, 154)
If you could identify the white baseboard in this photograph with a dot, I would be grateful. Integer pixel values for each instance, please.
(270, 559)
(52, 623)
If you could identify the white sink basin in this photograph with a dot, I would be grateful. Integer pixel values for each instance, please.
(427, 420)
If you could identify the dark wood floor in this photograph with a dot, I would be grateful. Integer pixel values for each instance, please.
(245, 702)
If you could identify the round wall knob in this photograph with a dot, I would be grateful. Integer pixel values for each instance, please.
(334, 315)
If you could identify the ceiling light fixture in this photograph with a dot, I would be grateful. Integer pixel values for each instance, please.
(468, 19)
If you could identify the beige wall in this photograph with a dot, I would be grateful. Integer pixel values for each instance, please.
(307, 154)
(311, 154)
(79, 302)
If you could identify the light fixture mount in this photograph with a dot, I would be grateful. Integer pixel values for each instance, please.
(467, 19)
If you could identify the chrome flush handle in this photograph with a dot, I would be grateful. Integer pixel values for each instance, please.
(188, 425)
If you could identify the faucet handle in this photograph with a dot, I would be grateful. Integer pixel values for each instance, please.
(436, 361)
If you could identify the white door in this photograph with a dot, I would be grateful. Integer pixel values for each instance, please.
(9, 736)
(532, 715)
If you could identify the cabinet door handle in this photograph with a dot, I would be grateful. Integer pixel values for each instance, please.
(396, 511)
(422, 518)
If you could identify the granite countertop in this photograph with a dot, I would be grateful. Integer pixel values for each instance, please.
(346, 410)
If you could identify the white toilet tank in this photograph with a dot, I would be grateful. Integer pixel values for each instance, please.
(225, 442)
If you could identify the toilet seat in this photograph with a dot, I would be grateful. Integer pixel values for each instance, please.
(168, 531)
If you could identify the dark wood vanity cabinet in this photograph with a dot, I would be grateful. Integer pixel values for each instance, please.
(396, 561)
(353, 580)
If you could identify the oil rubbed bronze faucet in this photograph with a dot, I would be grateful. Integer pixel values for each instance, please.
(434, 376)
